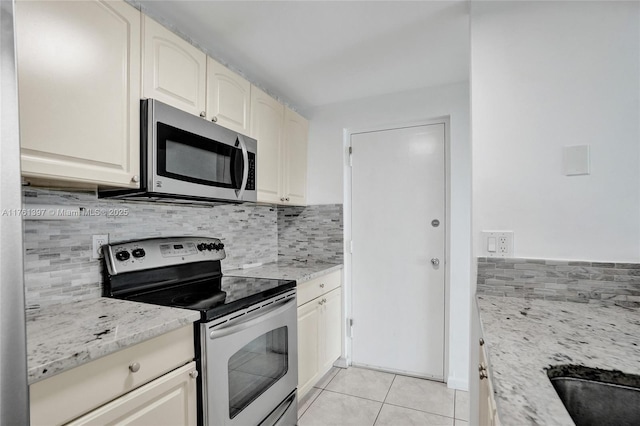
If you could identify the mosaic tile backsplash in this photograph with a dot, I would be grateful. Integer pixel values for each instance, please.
(311, 232)
(572, 281)
(58, 263)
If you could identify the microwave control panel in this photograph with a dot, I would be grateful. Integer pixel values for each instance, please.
(251, 179)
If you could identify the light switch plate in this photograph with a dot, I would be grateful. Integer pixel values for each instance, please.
(497, 243)
(576, 160)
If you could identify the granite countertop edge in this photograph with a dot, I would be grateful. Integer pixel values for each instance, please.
(65, 336)
(523, 337)
(288, 270)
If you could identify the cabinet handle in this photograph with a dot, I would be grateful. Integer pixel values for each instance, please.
(321, 285)
(194, 374)
(481, 341)
(135, 179)
(214, 119)
(134, 367)
(202, 114)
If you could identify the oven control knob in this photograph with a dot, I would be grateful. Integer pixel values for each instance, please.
(138, 253)
(202, 247)
(211, 246)
(122, 255)
(219, 246)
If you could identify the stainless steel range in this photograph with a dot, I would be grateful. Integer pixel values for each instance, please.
(246, 338)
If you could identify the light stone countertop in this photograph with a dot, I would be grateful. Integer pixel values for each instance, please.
(523, 337)
(65, 336)
(290, 270)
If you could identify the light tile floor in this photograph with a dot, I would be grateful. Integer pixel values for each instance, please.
(361, 397)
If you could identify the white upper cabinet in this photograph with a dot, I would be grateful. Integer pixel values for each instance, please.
(267, 117)
(228, 98)
(79, 90)
(296, 130)
(174, 71)
(282, 150)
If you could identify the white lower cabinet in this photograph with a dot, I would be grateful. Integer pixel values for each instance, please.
(151, 383)
(488, 415)
(319, 329)
(168, 400)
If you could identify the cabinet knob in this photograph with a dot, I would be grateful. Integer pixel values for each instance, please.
(281, 198)
(483, 375)
(321, 302)
(214, 119)
(194, 374)
(321, 285)
(482, 367)
(286, 199)
(203, 114)
(134, 367)
(135, 179)
(324, 300)
(481, 341)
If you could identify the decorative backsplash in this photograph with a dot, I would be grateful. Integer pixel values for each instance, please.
(311, 232)
(58, 263)
(573, 281)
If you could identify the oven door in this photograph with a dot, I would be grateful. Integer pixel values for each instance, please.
(250, 363)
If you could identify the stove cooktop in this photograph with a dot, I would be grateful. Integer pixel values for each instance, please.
(216, 297)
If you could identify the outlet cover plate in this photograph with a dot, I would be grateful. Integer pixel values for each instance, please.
(99, 241)
(497, 243)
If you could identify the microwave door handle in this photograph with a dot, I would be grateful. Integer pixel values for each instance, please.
(245, 167)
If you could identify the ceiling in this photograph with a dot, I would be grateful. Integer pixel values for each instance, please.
(313, 53)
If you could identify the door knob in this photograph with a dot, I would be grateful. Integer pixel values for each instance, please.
(435, 261)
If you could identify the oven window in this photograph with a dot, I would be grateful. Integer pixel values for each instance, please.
(255, 367)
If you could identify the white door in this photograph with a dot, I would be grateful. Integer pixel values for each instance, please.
(398, 293)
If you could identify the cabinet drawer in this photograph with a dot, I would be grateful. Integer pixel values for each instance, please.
(63, 397)
(311, 289)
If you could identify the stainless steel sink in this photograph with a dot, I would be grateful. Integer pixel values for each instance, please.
(597, 397)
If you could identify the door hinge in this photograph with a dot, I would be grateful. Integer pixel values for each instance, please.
(350, 327)
(351, 156)
(351, 246)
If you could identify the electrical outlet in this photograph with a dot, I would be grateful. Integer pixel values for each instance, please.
(98, 242)
(497, 243)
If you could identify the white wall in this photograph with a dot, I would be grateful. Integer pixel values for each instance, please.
(546, 75)
(326, 182)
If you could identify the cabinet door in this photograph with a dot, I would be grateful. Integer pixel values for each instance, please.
(296, 130)
(228, 98)
(79, 89)
(174, 71)
(332, 328)
(308, 345)
(168, 400)
(267, 116)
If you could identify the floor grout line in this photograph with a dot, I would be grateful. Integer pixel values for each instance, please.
(385, 398)
(422, 411)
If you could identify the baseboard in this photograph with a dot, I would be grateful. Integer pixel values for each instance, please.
(341, 362)
(457, 383)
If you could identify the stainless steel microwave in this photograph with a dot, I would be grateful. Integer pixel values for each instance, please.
(184, 158)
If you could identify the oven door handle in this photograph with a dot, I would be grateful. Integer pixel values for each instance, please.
(263, 314)
(245, 167)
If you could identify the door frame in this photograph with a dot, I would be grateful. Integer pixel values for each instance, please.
(346, 359)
